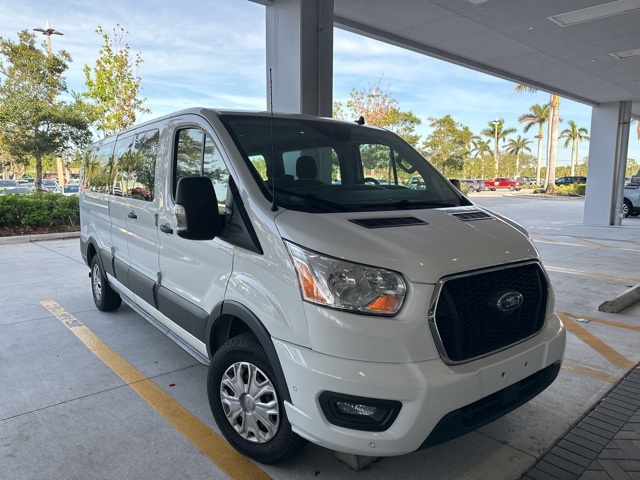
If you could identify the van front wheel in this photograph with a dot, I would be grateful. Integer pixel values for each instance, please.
(246, 402)
(104, 296)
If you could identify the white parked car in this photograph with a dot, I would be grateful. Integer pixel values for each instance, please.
(372, 319)
(67, 190)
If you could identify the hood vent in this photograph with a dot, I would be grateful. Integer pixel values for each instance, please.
(471, 215)
(388, 222)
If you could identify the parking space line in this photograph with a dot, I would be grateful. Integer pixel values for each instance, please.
(590, 372)
(593, 243)
(594, 342)
(604, 322)
(539, 237)
(570, 271)
(234, 464)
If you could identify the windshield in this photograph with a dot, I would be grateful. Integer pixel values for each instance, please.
(329, 166)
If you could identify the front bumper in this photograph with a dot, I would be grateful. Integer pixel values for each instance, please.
(428, 390)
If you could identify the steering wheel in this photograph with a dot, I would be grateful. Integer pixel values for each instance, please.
(370, 180)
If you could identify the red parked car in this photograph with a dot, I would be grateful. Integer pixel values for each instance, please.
(502, 183)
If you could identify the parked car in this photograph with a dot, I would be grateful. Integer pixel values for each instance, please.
(529, 180)
(7, 186)
(481, 186)
(49, 186)
(469, 186)
(631, 202)
(571, 180)
(19, 189)
(67, 190)
(416, 183)
(504, 183)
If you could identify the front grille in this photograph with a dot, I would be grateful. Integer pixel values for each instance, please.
(467, 321)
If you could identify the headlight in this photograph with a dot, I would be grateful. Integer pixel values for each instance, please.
(349, 286)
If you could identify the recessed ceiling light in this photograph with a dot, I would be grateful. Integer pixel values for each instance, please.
(532, 28)
(626, 54)
(596, 12)
(476, 2)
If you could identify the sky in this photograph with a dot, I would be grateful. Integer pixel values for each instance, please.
(212, 53)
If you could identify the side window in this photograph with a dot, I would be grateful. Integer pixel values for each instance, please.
(141, 179)
(122, 166)
(97, 168)
(197, 155)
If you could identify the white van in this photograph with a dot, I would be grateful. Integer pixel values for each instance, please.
(346, 309)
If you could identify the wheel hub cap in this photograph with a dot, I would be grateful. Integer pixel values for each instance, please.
(250, 402)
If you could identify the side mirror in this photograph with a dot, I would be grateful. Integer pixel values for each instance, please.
(196, 210)
(456, 183)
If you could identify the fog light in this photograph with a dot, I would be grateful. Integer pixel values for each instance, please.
(359, 413)
(356, 409)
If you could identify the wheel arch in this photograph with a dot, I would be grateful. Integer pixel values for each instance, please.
(230, 319)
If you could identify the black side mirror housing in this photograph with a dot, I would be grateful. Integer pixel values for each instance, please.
(456, 183)
(196, 210)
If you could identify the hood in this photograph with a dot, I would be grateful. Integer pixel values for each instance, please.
(423, 245)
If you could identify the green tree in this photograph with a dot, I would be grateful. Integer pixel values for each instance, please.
(633, 167)
(517, 147)
(35, 125)
(447, 145)
(574, 135)
(498, 133)
(380, 109)
(112, 86)
(537, 115)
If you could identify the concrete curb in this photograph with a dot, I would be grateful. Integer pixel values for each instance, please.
(626, 299)
(38, 238)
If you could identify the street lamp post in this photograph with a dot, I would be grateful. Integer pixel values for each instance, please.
(48, 31)
(495, 145)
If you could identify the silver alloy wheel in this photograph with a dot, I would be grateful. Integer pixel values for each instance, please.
(250, 402)
(96, 281)
(625, 209)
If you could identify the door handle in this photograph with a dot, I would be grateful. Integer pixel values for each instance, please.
(132, 215)
(166, 228)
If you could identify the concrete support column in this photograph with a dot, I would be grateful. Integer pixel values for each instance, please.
(300, 55)
(607, 162)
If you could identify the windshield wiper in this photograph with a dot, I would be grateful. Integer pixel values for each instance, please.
(408, 204)
(313, 198)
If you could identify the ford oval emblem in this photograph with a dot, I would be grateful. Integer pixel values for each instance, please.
(510, 301)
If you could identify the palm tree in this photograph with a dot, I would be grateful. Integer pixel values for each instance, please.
(516, 147)
(497, 131)
(575, 135)
(480, 149)
(552, 151)
(538, 115)
(554, 107)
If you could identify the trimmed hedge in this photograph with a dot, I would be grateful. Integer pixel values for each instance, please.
(40, 210)
(573, 190)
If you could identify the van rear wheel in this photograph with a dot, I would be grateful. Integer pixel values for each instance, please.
(247, 403)
(105, 298)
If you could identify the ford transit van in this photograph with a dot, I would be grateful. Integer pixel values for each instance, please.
(333, 301)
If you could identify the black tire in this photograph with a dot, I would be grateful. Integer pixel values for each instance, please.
(512, 188)
(105, 298)
(626, 208)
(239, 367)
